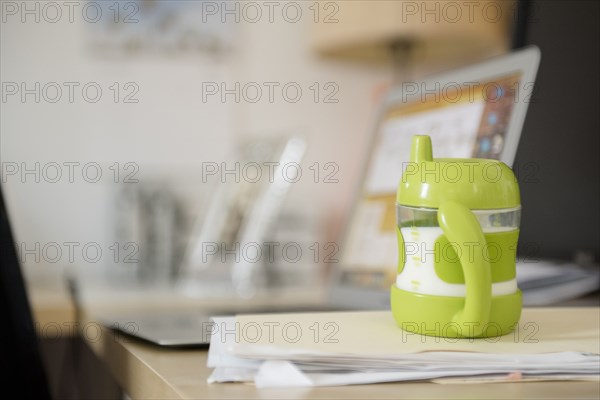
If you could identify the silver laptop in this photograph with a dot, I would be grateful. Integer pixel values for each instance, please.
(476, 111)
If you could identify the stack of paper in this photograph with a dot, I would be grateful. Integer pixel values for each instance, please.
(327, 349)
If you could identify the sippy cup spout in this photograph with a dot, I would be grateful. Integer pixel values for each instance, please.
(421, 149)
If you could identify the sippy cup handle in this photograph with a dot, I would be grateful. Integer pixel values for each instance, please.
(462, 228)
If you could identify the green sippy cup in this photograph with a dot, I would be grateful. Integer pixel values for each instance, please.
(457, 225)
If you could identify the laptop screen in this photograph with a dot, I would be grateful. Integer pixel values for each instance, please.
(469, 119)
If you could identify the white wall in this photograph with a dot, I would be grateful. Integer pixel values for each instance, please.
(337, 132)
(171, 131)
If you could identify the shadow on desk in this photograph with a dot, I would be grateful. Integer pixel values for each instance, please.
(74, 371)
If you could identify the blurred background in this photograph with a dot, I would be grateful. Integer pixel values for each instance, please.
(122, 120)
(113, 111)
(163, 133)
(147, 93)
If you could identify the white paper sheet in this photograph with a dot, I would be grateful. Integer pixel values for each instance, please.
(239, 354)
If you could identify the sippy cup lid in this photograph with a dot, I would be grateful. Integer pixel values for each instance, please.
(476, 183)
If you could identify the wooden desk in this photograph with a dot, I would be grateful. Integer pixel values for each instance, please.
(52, 308)
(147, 371)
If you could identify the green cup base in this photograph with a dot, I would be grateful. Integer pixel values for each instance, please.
(433, 315)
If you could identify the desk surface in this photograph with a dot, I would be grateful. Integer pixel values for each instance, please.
(148, 371)
(50, 304)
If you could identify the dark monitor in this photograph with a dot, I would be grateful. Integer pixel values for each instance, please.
(558, 155)
(20, 354)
